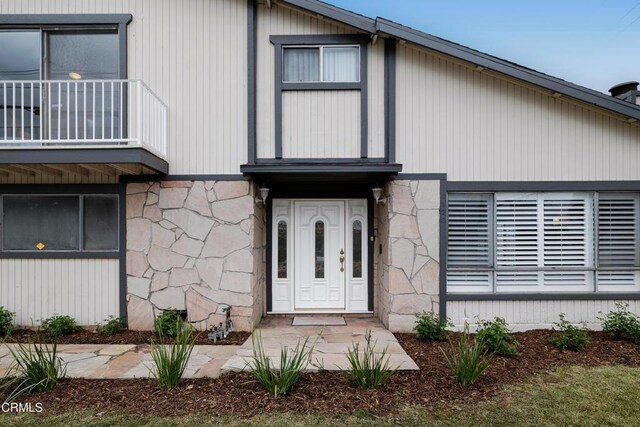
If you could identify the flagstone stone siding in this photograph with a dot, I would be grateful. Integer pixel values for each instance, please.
(195, 246)
(408, 266)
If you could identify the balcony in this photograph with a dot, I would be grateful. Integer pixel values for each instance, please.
(105, 127)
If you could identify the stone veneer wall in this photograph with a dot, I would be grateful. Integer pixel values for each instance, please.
(408, 268)
(194, 245)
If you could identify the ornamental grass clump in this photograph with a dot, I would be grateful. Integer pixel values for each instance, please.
(430, 327)
(170, 360)
(6, 322)
(570, 337)
(36, 368)
(621, 323)
(58, 325)
(496, 338)
(466, 358)
(279, 381)
(369, 369)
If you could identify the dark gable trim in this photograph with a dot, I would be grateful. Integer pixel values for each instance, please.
(390, 99)
(279, 86)
(67, 19)
(337, 14)
(252, 17)
(492, 186)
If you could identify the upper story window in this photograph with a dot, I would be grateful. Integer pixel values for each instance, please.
(321, 64)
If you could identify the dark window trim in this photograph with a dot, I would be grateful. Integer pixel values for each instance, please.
(537, 186)
(71, 189)
(330, 39)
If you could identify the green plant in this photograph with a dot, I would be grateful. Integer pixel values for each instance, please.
(6, 322)
(429, 327)
(279, 381)
(495, 337)
(369, 369)
(59, 325)
(168, 323)
(112, 326)
(467, 358)
(36, 369)
(621, 322)
(170, 361)
(570, 337)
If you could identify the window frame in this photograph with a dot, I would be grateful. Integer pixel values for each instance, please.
(321, 48)
(80, 191)
(592, 240)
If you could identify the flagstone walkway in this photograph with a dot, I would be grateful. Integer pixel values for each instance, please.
(330, 345)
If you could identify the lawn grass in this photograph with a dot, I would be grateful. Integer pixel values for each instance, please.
(574, 396)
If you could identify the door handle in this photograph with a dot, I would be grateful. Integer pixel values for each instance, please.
(341, 260)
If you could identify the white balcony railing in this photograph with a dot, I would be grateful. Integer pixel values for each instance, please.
(82, 114)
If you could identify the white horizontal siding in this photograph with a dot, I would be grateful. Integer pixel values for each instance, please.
(280, 20)
(85, 289)
(475, 127)
(192, 54)
(317, 124)
(524, 315)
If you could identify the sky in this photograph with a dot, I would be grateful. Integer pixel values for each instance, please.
(591, 43)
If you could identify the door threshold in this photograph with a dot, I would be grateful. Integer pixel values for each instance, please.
(316, 313)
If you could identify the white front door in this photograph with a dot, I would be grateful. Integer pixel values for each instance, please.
(319, 255)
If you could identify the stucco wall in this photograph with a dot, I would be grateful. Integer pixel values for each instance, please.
(408, 268)
(194, 245)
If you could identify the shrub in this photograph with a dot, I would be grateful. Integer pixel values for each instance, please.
(429, 327)
(495, 337)
(112, 326)
(59, 325)
(369, 369)
(170, 361)
(6, 322)
(466, 359)
(621, 322)
(36, 369)
(279, 381)
(570, 337)
(168, 323)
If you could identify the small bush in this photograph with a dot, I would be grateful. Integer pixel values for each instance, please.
(36, 369)
(168, 323)
(429, 327)
(570, 337)
(495, 337)
(112, 326)
(6, 322)
(59, 325)
(466, 359)
(369, 369)
(279, 381)
(170, 361)
(621, 323)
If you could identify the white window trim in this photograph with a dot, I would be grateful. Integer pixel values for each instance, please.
(321, 62)
(593, 269)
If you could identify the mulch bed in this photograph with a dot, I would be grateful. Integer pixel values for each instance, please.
(330, 392)
(126, 337)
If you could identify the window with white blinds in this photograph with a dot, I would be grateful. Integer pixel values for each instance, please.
(543, 242)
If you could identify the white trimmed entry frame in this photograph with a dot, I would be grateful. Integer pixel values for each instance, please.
(306, 276)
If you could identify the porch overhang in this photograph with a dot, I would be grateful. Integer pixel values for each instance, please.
(325, 172)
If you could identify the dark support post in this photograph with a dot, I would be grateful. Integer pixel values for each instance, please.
(251, 80)
(390, 99)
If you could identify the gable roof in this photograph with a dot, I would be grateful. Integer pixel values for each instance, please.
(508, 68)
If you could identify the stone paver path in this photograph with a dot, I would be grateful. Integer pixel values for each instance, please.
(330, 343)
(128, 361)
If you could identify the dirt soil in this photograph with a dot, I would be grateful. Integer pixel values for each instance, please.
(126, 337)
(330, 392)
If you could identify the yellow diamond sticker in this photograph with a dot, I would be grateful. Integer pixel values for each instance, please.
(40, 246)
